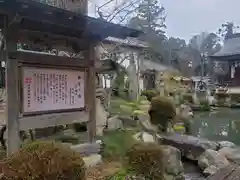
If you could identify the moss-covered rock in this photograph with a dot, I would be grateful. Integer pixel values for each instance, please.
(44, 160)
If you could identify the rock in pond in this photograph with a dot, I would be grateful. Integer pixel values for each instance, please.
(191, 147)
(228, 173)
(210, 170)
(232, 154)
(172, 160)
(211, 161)
(229, 144)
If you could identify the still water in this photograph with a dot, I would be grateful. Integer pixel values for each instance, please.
(221, 124)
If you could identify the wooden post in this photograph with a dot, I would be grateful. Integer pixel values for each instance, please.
(13, 139)
(91, 94)
(132, 75)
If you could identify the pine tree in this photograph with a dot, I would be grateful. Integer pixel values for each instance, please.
(150, 19)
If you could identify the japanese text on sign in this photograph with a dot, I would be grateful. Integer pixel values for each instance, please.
(46, 89)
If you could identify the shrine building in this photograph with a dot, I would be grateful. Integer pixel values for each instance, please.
(227, 63)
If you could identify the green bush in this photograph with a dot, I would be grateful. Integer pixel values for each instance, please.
(146, 159)
(44, 161)
(161, 112)
(149, 94)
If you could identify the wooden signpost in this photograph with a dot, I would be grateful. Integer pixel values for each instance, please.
(45, 90)
(52, 89)
(44, 93)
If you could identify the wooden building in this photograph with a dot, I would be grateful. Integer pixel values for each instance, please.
(227, 63)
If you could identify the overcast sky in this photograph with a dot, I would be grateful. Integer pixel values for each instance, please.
(186, 18)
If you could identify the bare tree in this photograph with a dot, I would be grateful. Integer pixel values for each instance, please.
(117, 11)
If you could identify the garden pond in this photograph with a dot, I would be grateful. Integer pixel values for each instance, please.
(222, 124)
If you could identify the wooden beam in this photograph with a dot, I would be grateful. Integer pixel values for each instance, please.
(91, 93)
(43, 39)
(50, 120)
(13, 140)
(45, 59)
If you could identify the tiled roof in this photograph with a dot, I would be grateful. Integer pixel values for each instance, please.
(35, 16)
(231, 47)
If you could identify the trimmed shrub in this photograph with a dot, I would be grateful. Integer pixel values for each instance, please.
(44, 160)
(161, 112)
(146, 159)
(149, 94)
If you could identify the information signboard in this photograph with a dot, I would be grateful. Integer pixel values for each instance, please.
(48, 89)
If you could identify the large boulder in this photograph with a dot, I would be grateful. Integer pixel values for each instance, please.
(232, 154)
(114, 123)
(191, 147)
(211, 161)
(173, 164)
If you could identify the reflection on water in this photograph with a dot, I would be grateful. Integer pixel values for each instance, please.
(222, 124)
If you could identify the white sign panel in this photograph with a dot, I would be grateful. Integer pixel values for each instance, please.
(48, 89)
